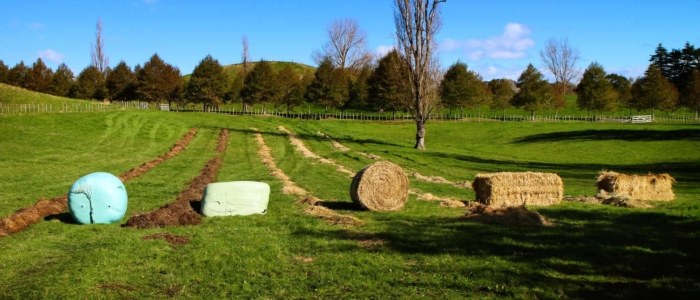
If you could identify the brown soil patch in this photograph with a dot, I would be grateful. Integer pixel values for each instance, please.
(223, 141)
(508, 216)
(173, 240)
(299, 145)
(178, 147)
(180, 212)
(265, 154)
(25, 217)
(331, 217)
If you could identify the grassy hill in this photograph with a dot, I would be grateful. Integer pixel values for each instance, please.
(16, 95)
(235, 69)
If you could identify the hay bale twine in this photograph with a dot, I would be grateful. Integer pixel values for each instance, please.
(380, 186)
(519, 188)
(656, 187)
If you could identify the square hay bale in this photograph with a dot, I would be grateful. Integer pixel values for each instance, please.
(515, 189)
(656, 187)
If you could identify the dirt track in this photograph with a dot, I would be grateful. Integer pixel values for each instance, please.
(27, 216)
(180, 212)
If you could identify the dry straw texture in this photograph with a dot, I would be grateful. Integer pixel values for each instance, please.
(380, 186)
(310, 154)
(265, 154)
(507, 216)
(657, 187)
(515, 189)
(331, 217)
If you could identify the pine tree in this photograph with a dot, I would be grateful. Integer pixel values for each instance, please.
(208, 83)
(388, 85)
(90, 84)
(291, 88)
(39, 77)
(691, 93)
(359, 89)
(260, 85)
(329, 87)
(654, 91)
(534, 91)
(62, 81)
(158, 80)
(119, 82)
(503, 93)
(3, 72)
(595, 92)
(17, 75)
(234, 90)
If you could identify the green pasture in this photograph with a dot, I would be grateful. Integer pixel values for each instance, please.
(425, 251)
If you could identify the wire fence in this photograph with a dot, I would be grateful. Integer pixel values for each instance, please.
(76, 107)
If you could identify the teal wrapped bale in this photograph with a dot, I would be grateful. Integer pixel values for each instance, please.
(97, 198)
(238, 198)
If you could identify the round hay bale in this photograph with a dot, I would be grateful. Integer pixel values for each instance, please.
(380, 186)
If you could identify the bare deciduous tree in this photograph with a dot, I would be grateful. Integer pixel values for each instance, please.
(97, 53)
(417, 22)
(561, 58)
(346, 46)
(245, 58)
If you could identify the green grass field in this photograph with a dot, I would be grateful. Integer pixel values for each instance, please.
(428, 251)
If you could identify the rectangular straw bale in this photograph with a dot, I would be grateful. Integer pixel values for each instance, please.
(515, 189)
(657, 187)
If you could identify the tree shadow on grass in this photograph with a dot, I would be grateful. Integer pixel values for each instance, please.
(595, 253)
(613, 134)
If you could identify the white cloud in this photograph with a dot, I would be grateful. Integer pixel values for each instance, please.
(50, 55)
(35, 26)
(383, 50)
(510, 45)
(497, 71)
(634, 71)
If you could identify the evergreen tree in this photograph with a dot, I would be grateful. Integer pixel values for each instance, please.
(158, 80)
(534, 91)
(691, 92)
(503, 93)
(291, 88)
(260, 85)
(39, 77)
(208, 83)
(119, 82)
(623, 88)
(388, 85)
(595, 92)
(234, 90)
(329, 87)
(654, 91)
(3, 72)
(662, 60)
(359, 89)
(17, 75)
(62, 81)
(90, 84)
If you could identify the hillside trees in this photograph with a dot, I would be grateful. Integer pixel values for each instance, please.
(503, 92)
(623, 88)
(654, 91)
(677, 64)
(417, 22)
(39, 77)
(359, 94)
(62, 81)
(158, 80)
(90, 84)
(119, 83)
(534, 91)
(461, 88)
(208, 83)
(291, 88)
(260, 85)
(388, 85)
(346, 46)
(595, 92)
(3, 72)
(329, 87)
(234, 90)
(17, 75)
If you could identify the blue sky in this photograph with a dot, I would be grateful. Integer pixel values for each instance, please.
(496, 38)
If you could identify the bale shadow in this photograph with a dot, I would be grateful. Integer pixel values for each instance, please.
(65, 218)
(351, 206)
